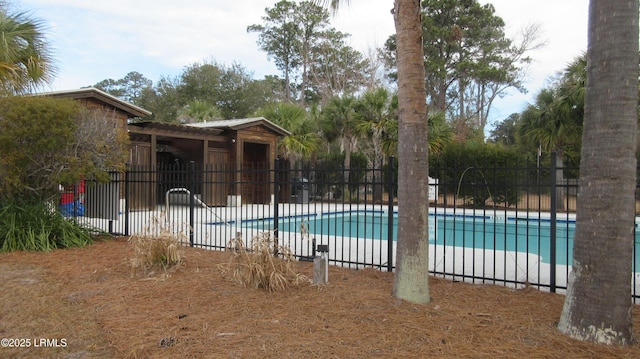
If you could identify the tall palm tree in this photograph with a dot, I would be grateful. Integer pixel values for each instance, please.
(338, 123)
(304, 139)
(25, 59)
(198, 111)
(598, 305)
(541, 125)
(440, 135)
(554, 122)
(412, 256)
(374, 115)
(374, 119)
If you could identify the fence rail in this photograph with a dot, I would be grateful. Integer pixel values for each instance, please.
(509, 226)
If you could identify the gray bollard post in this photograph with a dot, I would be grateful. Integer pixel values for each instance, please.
(321, 265)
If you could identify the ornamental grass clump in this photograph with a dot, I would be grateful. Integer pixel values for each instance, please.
(35, 226)
(258, 266)
(158, 245)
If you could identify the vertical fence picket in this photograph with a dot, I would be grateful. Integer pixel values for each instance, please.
(276, 212)
(192, 195)
(127, 196)
(390, 218)
(552, 223)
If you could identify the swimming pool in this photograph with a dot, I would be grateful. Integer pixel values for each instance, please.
(355, 224)
(526, 236)
(514, 234)
(480, 232)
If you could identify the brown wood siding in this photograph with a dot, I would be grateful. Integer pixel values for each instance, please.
(257, 151)
(219, 149)
(255, 186)
(217, 177)
(120, 117)
(142, 177)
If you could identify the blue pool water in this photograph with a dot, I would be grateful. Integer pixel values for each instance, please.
(521, 235)
(360, 224)
(511, 235)
(480, 232)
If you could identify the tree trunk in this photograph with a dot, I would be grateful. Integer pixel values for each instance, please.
(287, 84)
(378, 163)
(598, 304)
(412, 255)
(347, 160)
(461, 112)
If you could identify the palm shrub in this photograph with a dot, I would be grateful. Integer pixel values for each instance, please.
(36, 226)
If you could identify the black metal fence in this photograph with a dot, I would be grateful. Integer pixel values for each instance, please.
(493, 224)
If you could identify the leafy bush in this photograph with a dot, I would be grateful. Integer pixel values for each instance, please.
(38, 227)
(34, 133)
(47, 141)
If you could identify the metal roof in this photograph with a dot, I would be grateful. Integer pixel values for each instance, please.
(238, 124)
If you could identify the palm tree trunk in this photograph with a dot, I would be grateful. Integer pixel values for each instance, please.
(347, 160)
(598, 303)
(412, 256)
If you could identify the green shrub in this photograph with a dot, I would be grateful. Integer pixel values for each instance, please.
(38, 227)
(47, 141)
(479, 172)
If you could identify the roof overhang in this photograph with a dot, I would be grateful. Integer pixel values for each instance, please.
(91, 92)
(242, 123)
(175, 131)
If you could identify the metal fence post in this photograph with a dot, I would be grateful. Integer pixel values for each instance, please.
(276, 212)
(75, 201)
(192, 190)
(126, 199)
(552, 223)
(390, 196)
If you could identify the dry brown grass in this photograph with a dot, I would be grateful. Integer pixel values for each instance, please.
(258, 267)
(158, 246)
(88, 296)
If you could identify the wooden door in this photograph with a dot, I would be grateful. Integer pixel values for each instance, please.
(217, 177)
(141, 176)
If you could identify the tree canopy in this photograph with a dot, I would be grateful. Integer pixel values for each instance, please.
(315, 60)
(230, 91)
(468, 60)
(553, 123)
(128, 88)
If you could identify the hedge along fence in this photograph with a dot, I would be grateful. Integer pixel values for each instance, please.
(487, 175)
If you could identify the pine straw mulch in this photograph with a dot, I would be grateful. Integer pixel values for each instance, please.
(90, 297)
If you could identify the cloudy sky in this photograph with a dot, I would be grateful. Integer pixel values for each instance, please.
(97, 40)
